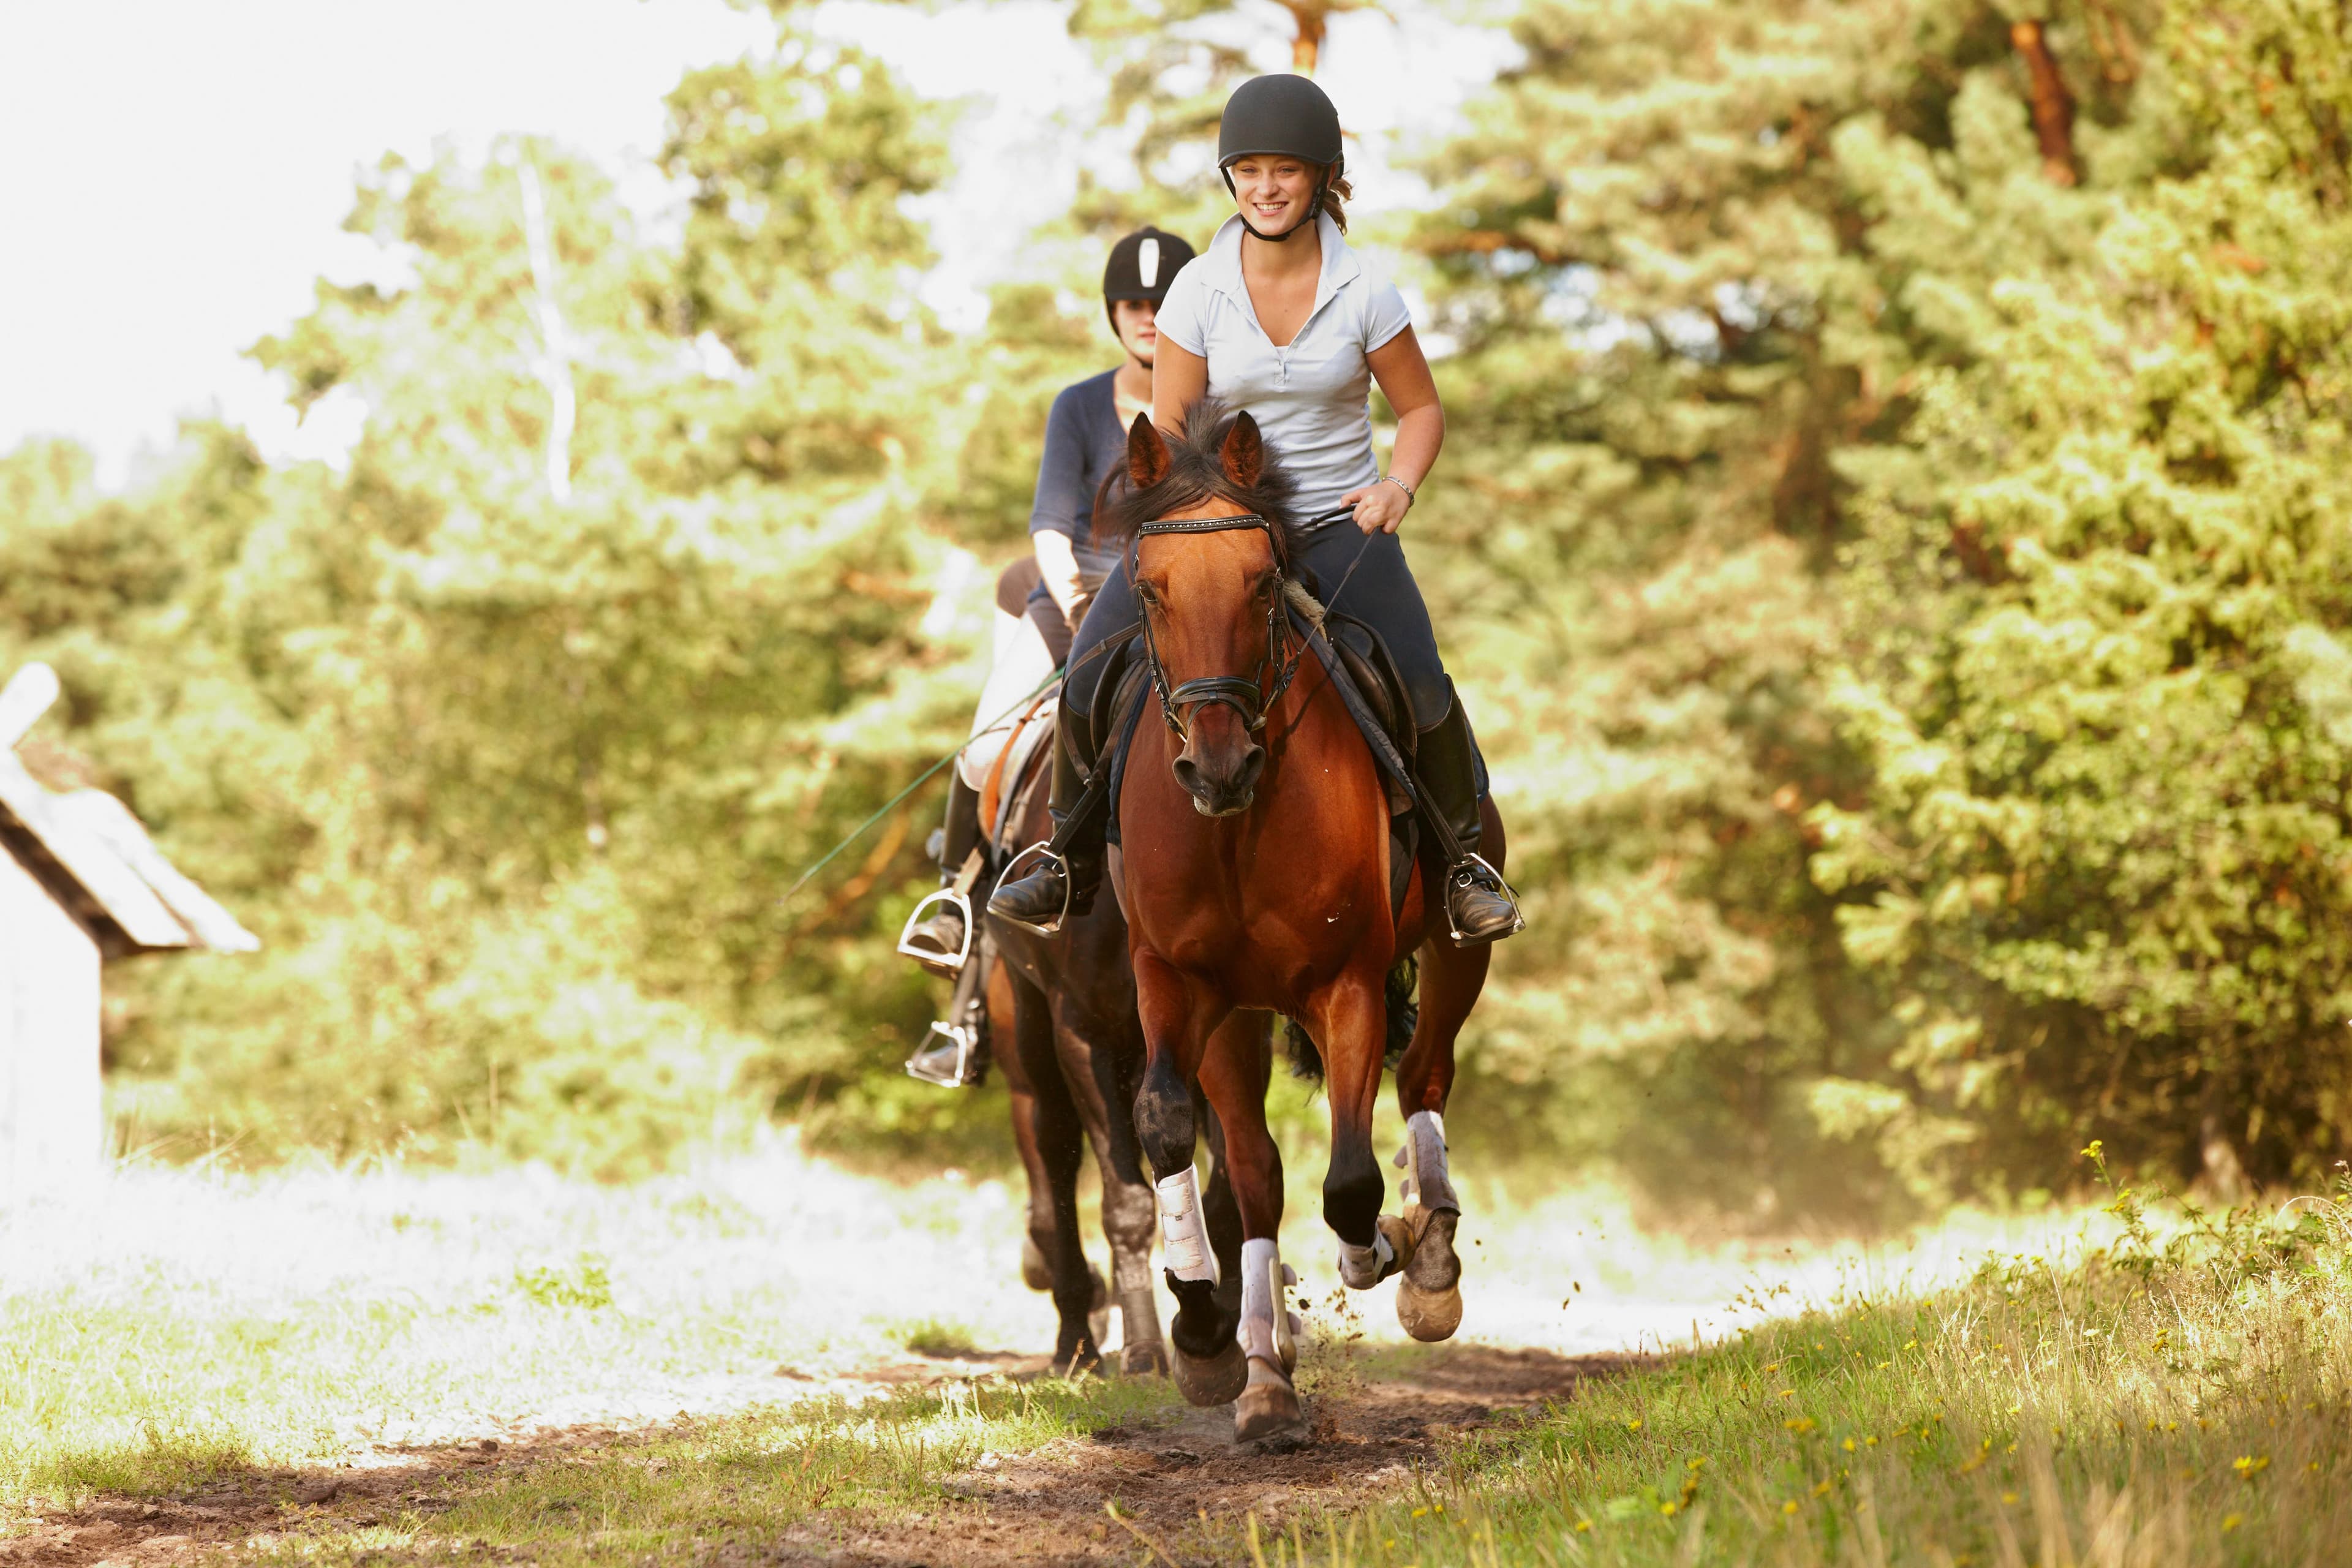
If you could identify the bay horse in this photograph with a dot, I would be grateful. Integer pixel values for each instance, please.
(1254, 871)
(1073, 1060)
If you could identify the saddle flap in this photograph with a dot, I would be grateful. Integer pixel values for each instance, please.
(1366, 660)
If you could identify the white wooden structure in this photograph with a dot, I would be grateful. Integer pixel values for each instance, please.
(80, 882)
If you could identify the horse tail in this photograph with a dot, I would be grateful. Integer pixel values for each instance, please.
(1404, 1016)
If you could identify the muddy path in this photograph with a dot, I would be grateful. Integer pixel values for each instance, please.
(1183, 1488)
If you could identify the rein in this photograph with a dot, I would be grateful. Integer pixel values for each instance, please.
(1285, 652)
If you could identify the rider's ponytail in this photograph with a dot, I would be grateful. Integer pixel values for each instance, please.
(1336, 192)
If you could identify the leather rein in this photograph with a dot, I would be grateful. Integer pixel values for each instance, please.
(1285, 650)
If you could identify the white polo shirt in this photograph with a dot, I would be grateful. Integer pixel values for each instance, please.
(1311, 398)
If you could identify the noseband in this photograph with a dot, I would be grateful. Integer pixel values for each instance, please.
(1243, 694)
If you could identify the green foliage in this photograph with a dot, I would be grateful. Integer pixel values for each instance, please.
(507, 740)
(2102, 860)
(1863, 501)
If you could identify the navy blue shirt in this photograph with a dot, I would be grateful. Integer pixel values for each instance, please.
(1084, 442)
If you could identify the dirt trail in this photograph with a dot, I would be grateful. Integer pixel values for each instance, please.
(1045, 1506)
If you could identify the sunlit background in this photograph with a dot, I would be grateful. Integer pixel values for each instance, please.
(168, 206)
(499, 500)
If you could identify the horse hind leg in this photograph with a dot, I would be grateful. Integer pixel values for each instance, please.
(1429, 1296)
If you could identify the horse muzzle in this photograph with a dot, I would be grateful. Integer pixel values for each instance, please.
(1221, 786)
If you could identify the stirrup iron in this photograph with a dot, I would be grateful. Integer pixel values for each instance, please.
(933, 1063)
(1044, 851)
(1518, 916)
(956, 895)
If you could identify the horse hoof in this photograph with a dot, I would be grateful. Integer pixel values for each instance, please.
(1270, 1416)
(1218, 1380)
(1428, 1316)
(1142, 1361)
(1431, 1264)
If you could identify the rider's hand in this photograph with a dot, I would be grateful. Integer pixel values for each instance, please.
(1380, 507)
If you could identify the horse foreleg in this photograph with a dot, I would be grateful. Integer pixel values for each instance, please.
(1004, 1012)
(1177, 1021)
(1233, 1076)
(1103, 1078)
(1349, 1023)
(1060, 1145)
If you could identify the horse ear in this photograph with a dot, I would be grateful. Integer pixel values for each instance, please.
(1244, 454)
(1146, 454)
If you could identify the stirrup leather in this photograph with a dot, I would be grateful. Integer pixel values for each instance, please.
(1044, 851)
(1473, 862)
(956, 895)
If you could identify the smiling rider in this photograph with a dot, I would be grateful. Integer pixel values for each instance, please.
(1281, 318)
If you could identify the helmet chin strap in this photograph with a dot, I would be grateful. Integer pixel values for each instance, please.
(1314, 209)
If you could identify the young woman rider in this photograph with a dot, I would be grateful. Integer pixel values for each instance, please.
(1085, 439)
(1281, 318)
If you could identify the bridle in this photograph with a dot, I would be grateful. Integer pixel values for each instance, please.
(1245, 694)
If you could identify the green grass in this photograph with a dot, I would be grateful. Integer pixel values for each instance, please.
(2187, 1403)
(743, 1480)
(2183, 1397)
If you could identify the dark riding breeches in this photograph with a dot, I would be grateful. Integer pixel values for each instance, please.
(1381, 593)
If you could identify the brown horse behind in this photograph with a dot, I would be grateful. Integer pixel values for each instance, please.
(1253, 871)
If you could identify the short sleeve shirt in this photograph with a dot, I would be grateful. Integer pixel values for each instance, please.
(1311, 398)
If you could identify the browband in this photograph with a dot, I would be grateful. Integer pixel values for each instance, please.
(1204, 524)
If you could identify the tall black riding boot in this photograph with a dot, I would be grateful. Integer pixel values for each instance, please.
(936, 941)
(1478, 902)
(1069, 869)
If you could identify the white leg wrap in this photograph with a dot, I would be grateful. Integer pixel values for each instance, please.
(1268, 1332)
(1184, 1235)
(1360, 1268)
(1423, 1159)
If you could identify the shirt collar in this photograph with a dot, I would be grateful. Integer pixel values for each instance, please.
(1341, 267)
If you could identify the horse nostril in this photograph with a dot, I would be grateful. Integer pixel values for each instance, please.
(1252, 765)
(1188, 773)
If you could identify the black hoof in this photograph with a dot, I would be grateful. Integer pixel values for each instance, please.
(1213, 1380)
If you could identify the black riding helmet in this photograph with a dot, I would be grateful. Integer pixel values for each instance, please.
(1281, 116)
(1141, 266)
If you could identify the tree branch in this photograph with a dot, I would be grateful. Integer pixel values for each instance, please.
(2053, 106)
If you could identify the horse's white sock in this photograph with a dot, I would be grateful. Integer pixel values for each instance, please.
(1424, 1158)
(1182, 1233)
(1360, 1268)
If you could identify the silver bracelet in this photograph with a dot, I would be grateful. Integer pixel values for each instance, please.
(1393, 479)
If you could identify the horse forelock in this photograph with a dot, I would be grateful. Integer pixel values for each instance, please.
(1196, 474)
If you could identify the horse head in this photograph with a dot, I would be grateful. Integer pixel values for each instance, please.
(1208, 515)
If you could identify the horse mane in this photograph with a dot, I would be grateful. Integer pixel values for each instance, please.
(1196, 472)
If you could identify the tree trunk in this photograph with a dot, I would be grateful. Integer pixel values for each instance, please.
(1306, 42)
(2053, 106)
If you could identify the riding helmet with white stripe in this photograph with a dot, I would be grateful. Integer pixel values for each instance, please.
(1141, 267)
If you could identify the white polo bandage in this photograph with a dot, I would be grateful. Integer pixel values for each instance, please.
(1360, 1268)
(1183, 1237)
(1427, 1180)
(1266, 1330)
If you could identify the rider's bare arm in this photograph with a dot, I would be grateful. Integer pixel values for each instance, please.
(1179, 378)
(1403, 375)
